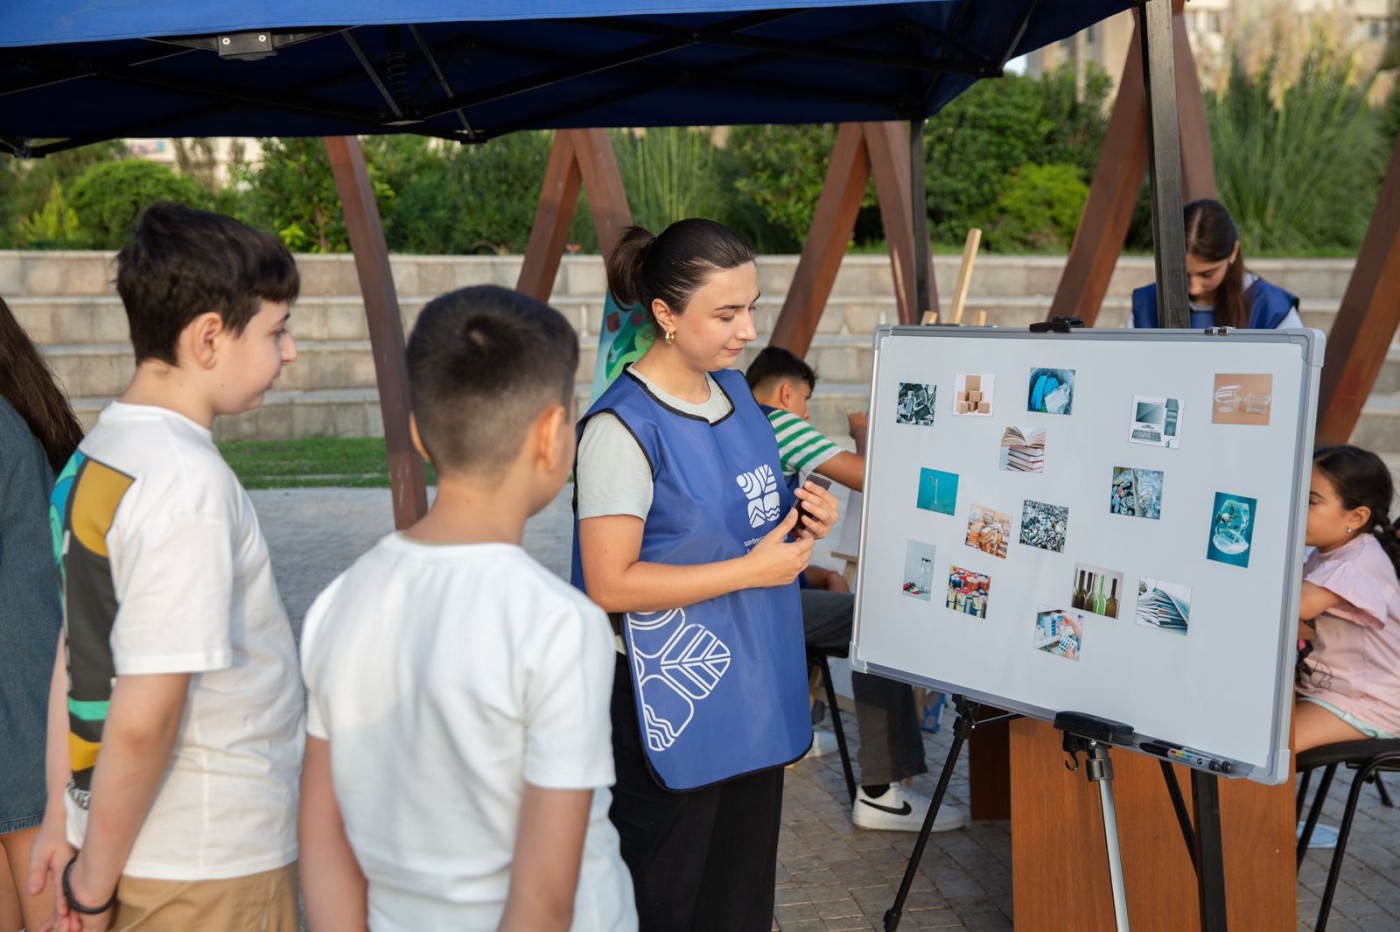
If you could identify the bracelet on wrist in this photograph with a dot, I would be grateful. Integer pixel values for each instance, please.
(72, 901)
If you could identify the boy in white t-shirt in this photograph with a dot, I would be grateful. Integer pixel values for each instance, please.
(175, 716)
(459, 755)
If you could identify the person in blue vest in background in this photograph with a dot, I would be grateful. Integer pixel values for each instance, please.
(686, 534)
(1223, 292)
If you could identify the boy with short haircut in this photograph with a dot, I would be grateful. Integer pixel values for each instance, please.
(175, 717)
(459, 752)
(782, 384)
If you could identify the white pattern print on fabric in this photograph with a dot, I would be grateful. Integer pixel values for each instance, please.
(677, 665)
(761, 486)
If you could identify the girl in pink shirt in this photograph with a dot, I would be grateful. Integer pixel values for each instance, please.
(1349, 684)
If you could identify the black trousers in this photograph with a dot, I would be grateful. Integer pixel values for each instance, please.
(705, 860)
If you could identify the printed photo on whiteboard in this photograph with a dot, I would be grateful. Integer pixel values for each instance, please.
(968, 591)
(1096, 590)
(1156, 421)
(1022, 450)
(988, 530)
(1164, 605)
(1231, 529)
(1242, 398)
(938, 491)
(918, 570)
(916, 404)
(1136, 492)
(1051, 391)
(1044, 526)
(972, 394)
(1058, 632)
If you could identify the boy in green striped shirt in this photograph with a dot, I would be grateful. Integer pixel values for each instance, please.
(782, 384)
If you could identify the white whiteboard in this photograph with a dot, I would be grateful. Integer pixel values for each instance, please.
(1220, 687)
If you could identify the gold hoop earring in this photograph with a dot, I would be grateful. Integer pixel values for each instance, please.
(670, 338)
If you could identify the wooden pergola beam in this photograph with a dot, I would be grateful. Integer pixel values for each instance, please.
(1122, 165)
(580, 159)
(1366, 322)
(861, 149)
(366, 232)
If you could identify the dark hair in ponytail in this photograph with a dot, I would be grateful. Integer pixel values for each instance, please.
(30, 388)
(1211, 234)
(672, 266)
(1362, 478)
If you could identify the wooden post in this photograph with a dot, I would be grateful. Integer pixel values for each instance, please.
(366, 232)
(861, 149)
(1118, 177)
(1366, 322)
(579, 158)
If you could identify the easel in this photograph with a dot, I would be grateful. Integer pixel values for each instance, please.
(1093, 737)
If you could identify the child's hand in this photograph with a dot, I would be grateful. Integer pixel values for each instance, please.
(776, 561)
(859, 424)
(822, 510)
(48, 857)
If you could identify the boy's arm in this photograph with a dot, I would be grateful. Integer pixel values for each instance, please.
(845, 468)
(548, 853)
(143, 722)
(332, 884)
(51, 851)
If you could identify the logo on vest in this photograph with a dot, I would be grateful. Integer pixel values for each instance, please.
(761, 486)
(676, 665)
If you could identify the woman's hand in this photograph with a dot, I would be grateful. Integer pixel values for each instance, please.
(776, 561)
(822, 510)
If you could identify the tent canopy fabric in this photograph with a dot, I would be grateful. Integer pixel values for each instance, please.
(80, 71)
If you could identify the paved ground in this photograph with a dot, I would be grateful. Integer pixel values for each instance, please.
(832, 876)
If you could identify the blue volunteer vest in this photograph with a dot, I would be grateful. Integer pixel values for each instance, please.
(720, 685)
(1270, 304)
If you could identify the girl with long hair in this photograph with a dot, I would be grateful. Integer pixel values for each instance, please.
(1223, 292)
(38, 433)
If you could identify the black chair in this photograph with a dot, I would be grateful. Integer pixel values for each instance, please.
(1368, 758)
(819, 657)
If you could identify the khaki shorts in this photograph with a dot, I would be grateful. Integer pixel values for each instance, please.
(265, 902)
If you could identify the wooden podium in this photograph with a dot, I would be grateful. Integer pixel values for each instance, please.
(1059, 862)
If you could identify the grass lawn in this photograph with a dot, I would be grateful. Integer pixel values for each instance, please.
(355, 462)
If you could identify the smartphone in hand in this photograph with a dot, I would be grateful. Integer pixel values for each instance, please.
(817, 480)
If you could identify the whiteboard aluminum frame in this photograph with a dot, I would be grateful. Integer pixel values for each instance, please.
(1312, 343)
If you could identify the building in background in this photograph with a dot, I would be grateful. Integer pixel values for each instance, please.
(1215, 27)
(209, 159)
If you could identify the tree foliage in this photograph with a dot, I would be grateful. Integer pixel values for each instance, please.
(109, 196)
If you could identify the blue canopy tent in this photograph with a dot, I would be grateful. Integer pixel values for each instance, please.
(79, 71)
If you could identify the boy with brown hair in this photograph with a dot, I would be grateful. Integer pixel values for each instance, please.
(175, 715)
(459, 752)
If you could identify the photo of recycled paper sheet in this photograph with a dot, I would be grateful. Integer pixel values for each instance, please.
(1051, 391)
(938, 491)
(915, 404)
(988, 530)
(1022, 450)
(1242, 398)
(1231, 529)
(1156, 421)
(1164, 605)
(968, 591)
(972, 394)
(918, 570)
(1059, 633)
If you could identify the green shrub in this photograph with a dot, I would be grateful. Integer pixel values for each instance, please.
(292, 193)
(1038, 210)
(26, 184)
(109, 197)
(53, 226)
(778, 174)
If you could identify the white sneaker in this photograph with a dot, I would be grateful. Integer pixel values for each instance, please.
(900, 809)
(823, 743)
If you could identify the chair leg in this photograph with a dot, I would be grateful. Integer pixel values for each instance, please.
(837, 727)
(1385, 797)
(1302, 795)
(1335, 871)
(1315, 810)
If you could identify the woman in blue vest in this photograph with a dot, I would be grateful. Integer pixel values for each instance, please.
(684, 534)
(1223, 292)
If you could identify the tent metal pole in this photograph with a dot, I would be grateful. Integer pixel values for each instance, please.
(918, 203)
(1164, 163)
